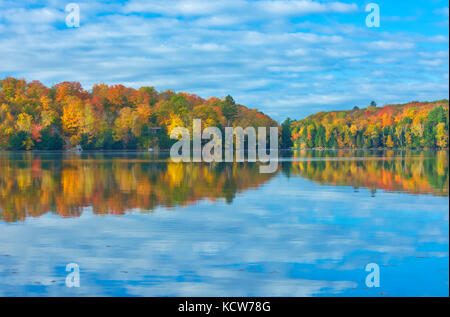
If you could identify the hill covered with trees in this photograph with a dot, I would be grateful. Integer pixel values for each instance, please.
(33, 116)
(411, 125)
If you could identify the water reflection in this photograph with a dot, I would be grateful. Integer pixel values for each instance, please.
(298, 233)
(32, 184)
(415, 172)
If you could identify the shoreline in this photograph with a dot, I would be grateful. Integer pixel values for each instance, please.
(168, 150)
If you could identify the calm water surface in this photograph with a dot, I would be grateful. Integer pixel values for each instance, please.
(140, 225)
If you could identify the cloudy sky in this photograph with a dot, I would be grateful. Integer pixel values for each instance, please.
(287, 58)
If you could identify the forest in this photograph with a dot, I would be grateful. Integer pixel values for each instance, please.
(415, 125)
(35, 117)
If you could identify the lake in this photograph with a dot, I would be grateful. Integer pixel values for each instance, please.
(137, 224)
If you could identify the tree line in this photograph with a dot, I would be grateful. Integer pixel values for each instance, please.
(36, 117)
(412, 125)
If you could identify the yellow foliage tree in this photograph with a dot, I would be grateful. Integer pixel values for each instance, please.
(441, 135)
(389, 142)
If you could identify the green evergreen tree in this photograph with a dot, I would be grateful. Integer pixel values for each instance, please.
(286, 132)
(229, 109)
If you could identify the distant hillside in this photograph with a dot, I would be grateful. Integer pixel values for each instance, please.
(411, 125)
(33, 116)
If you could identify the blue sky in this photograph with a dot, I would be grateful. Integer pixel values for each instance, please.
(286, 58)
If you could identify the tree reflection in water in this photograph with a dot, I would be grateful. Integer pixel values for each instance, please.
(32, 184)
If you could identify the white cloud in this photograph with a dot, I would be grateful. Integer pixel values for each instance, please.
(210, 47)
(34, 16)
(180, 7)
(218, 20)
(438, 39)
(304, 7)
(390, 45)
(295, 69)
(241, 7)
(432, 62)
